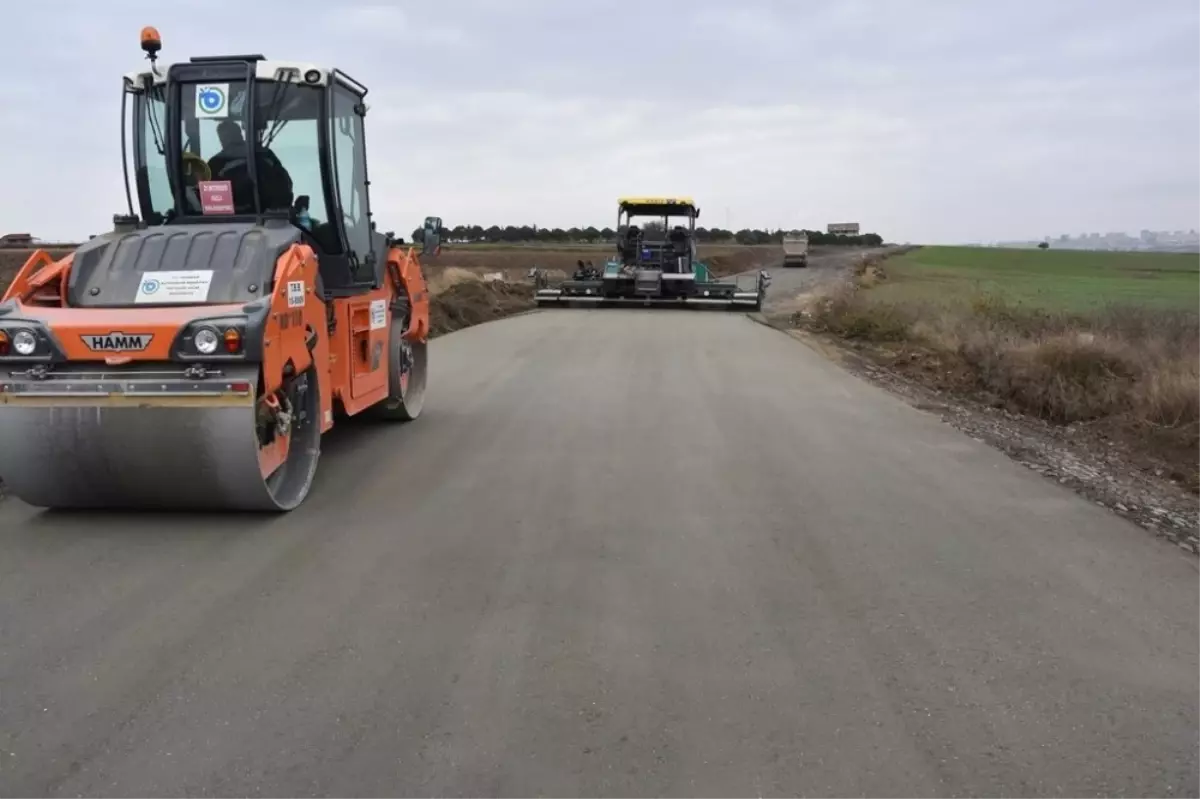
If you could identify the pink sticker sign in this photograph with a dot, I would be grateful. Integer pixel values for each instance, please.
(216, 197)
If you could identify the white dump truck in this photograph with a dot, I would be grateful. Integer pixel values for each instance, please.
(795, 248)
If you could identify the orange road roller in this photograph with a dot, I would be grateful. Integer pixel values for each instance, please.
(193, 356)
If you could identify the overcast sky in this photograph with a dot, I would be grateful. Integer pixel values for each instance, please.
(925, 120)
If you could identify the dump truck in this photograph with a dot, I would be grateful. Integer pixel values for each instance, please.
(795, 248)
(194, 355)
(653, 266)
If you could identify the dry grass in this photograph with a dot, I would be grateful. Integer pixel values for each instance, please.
(1127, 369)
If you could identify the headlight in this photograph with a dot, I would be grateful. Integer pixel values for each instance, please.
(206, 341)
(217, 338)
(24, 342)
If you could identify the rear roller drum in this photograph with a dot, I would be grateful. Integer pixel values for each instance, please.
(407, 368)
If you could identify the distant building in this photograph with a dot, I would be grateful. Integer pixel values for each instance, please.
(16, 240)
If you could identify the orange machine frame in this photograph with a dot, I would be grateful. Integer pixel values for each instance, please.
(352, 363)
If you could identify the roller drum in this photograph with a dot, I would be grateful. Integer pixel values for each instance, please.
(175, 451)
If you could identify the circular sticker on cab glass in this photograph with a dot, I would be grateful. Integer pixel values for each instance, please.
(211, 100)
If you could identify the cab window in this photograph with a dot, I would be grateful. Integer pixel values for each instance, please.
(213, 138)
(289, 114)
(350, 166)
(151, 111)
(284, 148)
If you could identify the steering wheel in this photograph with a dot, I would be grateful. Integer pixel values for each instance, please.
(195, 167)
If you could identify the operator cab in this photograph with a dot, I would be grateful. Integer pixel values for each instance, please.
(241, 139)
(666, 243)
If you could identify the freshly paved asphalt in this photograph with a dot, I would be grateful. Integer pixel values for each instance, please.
(622, 552)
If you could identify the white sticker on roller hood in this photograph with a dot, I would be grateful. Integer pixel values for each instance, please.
(174, 287)
(295, 293)
(378, 314)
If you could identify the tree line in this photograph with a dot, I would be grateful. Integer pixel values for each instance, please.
(522, 234)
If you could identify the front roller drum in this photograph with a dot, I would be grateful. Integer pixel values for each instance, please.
(137, 439)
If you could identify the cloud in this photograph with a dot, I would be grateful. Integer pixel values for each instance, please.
(392, 24)
(929, 120)
(743, 21)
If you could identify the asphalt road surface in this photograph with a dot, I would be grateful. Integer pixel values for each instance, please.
(623, 552)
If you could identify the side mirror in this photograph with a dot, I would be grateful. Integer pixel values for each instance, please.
(431, 239)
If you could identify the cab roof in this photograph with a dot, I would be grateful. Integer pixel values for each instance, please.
(659, 206)
(678, 200)
(293, 71)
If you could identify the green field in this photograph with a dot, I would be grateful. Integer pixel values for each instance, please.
(1074, 281)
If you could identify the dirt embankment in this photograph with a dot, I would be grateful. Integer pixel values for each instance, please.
(1106, 403)
(11, 261)
(462, 298)
(723, 262)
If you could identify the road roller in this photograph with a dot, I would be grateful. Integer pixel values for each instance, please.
(193, 356)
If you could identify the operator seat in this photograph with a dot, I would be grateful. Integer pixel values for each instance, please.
(679, 250)
(275, 187)
(632, 245)
(275, 190)
(679, 239)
